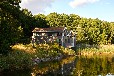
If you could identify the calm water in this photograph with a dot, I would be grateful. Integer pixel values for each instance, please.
(71, 66)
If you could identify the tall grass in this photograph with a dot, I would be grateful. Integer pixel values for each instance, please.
(92, 50)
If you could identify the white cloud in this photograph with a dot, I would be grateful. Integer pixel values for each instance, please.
(76, 3)
(36, 6)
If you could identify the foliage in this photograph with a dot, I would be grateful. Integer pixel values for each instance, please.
(22, 56)
(9, 28)
(16, 25)
(16, 60)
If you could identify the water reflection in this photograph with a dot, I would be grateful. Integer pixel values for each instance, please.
(63, 67)
(55, 68)
(16, 73)
(94, 66)
(73, 66)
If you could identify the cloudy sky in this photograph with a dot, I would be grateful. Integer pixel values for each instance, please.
(102, 9)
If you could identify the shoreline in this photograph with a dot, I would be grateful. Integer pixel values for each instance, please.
(25, 56)
(39, 61)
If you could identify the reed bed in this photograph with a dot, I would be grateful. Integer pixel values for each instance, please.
(95, 50)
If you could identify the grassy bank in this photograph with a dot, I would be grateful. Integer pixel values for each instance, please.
(23, 56)
(94, 50)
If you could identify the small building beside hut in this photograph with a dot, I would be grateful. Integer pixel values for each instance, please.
(61, 35)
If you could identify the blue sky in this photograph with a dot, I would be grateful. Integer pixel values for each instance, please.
(102, 9)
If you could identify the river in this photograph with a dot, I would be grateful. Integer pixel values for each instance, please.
(70, 66)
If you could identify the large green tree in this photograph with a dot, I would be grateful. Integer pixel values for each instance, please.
(10, 31)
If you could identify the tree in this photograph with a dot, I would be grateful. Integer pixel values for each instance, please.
(9, 28)
(52, 19)
(41, 20)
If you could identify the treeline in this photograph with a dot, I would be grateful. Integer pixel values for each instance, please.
(17, 25)
(90, 31)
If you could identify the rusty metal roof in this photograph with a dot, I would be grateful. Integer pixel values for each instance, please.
(51, 29)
